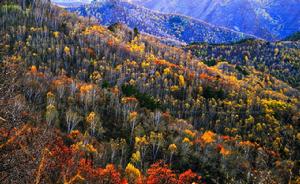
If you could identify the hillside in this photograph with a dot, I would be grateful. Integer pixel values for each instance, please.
(167, 26)
(280, 59)
(81, 103)
(268, 19)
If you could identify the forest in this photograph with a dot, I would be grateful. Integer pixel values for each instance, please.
(84, 103)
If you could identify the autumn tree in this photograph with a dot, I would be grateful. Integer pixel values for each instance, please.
(94, 123)
(72, 119)
(156, 141)
(51, 114)
(159, 173)
(189, 177)
(133, 174)
(172, 148)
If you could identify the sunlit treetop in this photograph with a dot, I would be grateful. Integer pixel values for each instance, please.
(208, 137)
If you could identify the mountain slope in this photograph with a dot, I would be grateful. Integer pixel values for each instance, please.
(80, 103)
(280, 59)
(269, 19)
(168, 26)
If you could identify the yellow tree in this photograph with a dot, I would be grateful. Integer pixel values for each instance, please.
(181, 81)
(94, 122)
(132, 121)
(141, 144)
(129, 104)
(136, 157)
(172, 148)
(67, 51)
(156, 140)
(87, 94)
(133, 174)
(114, 145)
(72, 119)
(51, 114)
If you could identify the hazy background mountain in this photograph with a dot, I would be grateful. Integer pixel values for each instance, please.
(71, 3)
(171, 26)
(269, 19)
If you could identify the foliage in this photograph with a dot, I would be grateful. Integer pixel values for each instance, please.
(77, 105)
(159, 173)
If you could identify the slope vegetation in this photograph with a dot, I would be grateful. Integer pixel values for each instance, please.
(82, 103)
(280, 59)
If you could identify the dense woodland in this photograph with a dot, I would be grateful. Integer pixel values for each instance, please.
(82, 103)
(280, 59)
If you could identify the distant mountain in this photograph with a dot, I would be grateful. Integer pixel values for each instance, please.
(71, 3)
(170, 26)
(269, 19)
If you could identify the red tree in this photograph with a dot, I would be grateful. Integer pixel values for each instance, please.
(159, 173)
(189, 177)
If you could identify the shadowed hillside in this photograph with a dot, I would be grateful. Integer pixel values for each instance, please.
(167, 26)
(268, 19)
